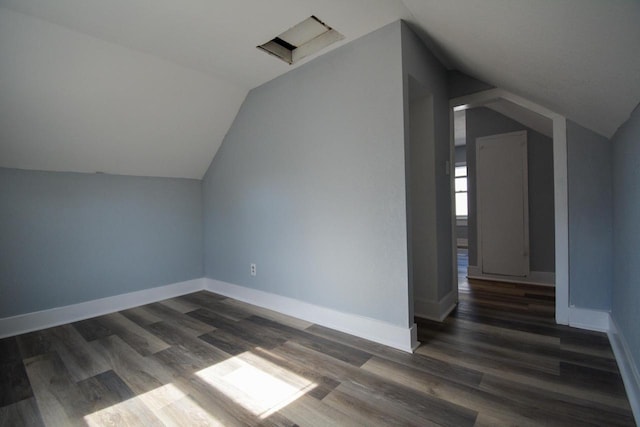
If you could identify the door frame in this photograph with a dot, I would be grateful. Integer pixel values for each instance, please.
(560, 177)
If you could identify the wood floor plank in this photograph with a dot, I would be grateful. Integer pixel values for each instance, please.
(22, 413)
(92, 329)
(175, 335)
(186, 412)
(597, 350)
(412, 408)
(214, 303)
(14, 383)
(185, 323)
(254, 310)
(525, 345)
(141, 315)
(311, 412)
(34, 343)
(438, 367)
(341, 352)
(227, 342)
(486, 353)
(178, 361)
(141, 374)
(9, 350)
(463, 395)
(539, 380)
(607, 381)
(483, 316)
(128, 413)
(135, 335)
(228, 412)
(249, 332)
(180, 305)
(562, 409)
(102, 391)
(204, 359)
(59, 400)
(162, 396)
(377, 387)
(201, 298)
(366, 414)
(355, 342)
(81, 360)
(452, 325)
(324, 384)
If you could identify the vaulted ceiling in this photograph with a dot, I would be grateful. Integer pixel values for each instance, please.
(579, 58)
(150, 87)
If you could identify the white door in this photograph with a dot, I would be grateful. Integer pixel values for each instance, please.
(503, 211)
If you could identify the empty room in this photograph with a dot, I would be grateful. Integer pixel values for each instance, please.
(319, 212)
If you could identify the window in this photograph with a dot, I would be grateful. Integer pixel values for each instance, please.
(461, 190)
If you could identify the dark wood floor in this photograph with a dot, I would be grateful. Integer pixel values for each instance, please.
(203, 359)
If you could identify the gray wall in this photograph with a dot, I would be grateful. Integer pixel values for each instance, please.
(309, 184)
(422, 67)
(421, 192)
(626, 232)
(66, 238)
(485, 122)
(590, 217)
(460, 154)
(461, 84)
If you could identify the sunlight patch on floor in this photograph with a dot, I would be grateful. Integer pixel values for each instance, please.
(167, 403)
(256, 384)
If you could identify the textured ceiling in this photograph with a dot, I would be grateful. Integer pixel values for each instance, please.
(150, 87)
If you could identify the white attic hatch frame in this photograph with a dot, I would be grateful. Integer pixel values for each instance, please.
(301, 40)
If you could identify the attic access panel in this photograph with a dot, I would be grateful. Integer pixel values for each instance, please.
(304, 39)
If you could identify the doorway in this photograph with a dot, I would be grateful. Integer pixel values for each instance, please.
(549, 260)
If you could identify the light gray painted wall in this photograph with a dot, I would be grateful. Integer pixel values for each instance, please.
(462, 232)
(460, 155)
(309, 184)
(461, 84)
(626, 232)
(66, 238)
(485, 122)
(590, 217)
(421, 65)
(421, 192)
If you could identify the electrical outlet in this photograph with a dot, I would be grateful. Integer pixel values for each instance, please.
(253, 269)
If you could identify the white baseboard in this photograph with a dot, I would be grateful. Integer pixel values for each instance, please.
(15, 325)
(592, 320)
(384, 333)
(436, 310)
(404, 339)
(628, 369)
(542, 278)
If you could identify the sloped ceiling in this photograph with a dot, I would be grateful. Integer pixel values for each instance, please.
(580, 58)
(150, 87)
(144, 87)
